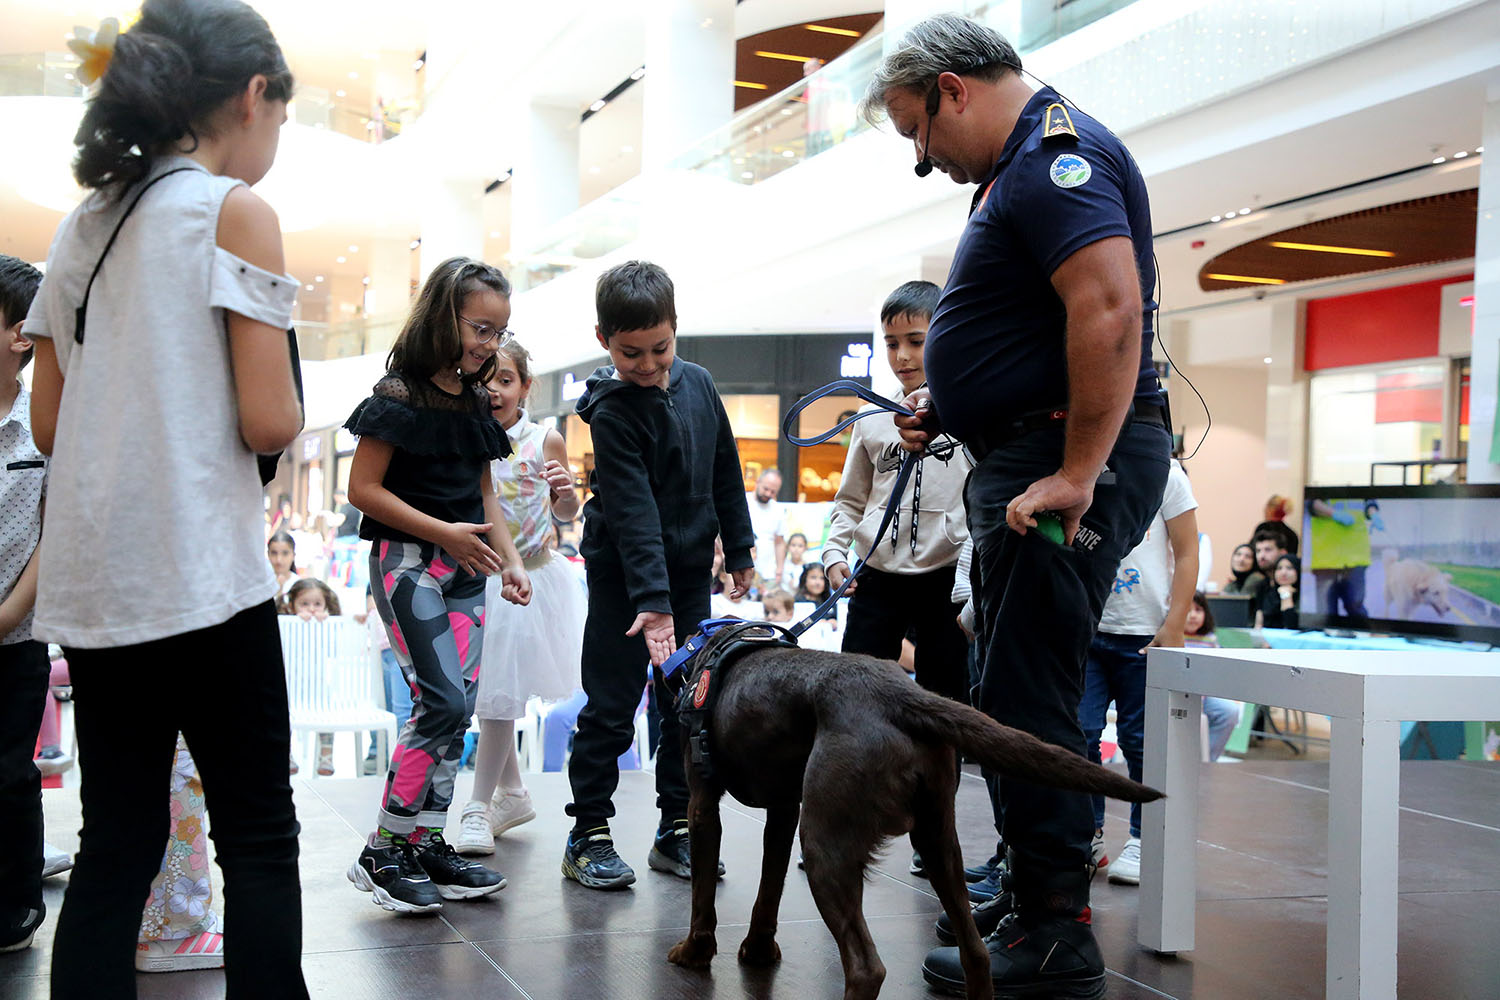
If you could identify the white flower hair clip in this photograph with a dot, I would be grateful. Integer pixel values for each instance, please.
(94, 49)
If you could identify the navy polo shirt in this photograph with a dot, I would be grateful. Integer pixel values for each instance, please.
(996, 346)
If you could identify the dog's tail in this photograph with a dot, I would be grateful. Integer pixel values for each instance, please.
(1009, 751)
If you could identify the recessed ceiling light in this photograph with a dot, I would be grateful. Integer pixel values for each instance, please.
(1244, 211)
(788, 153)
(747, 175)
(414, 244)
(784, 56)
(418, 64)
(825, 29)
(1266, 360)
(341, 260)
(341, 93)
(749, 85)
(1325, 248)
(1247, 279)
(1217, 218)
(354, 74)
(353, 248)
(1439, 159)
(638, 73)
(597, 105)
(365, 280)
(1460, 154)
(309, 288)
(317, 277)
(1229, 214)
(1478, 149)
(786, 111)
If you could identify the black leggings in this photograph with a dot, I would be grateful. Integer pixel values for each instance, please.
(224, 688)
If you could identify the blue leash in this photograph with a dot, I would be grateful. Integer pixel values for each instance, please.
(908, 463)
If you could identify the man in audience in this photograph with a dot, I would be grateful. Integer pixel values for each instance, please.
(768, 520)
(1270, 545)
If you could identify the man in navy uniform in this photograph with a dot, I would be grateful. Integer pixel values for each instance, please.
(1039, 361)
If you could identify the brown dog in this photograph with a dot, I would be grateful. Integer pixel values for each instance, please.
(851, 744)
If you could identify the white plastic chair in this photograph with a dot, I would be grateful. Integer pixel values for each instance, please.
(529, 736)
(334, 683)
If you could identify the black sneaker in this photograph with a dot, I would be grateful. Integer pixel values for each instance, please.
(590, 859)
(19, 927)
(917, 868)
(455, 876)
(672, 853)
(988, 887)
(978, 873)
(987, 917)
(396, 879)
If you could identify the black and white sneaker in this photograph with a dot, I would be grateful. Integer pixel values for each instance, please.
(455, 876)
(19, 927)
(672, 852)
(590, 859)
(396, 879)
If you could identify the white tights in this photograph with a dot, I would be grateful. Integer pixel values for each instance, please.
(495, 759)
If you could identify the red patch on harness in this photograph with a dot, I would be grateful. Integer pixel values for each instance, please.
(700, 693)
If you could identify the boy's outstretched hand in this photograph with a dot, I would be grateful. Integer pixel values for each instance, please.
(661, 634)
(742, 578)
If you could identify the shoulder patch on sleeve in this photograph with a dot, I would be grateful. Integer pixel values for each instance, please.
(1070, 170)
(1056, 121)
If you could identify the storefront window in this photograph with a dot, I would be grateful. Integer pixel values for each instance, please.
(756, 423)
(820, 467)
(1359, 418)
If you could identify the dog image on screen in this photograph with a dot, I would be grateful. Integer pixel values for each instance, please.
(1411, 584)
(852, 748)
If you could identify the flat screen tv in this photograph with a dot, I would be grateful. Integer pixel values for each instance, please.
(1420, 560)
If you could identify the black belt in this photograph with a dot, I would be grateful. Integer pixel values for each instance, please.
(981, 445)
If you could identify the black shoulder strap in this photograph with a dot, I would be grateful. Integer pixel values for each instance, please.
(82, 310)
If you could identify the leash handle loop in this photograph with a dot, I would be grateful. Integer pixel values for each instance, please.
(842, 385)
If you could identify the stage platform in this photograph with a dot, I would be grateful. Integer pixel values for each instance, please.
(1262, 867)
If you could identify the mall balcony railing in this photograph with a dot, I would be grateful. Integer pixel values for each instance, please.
(347, 339)
(55, 74)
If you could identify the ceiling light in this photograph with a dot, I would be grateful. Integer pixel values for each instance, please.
(418, 64)
(786, 111)
(788, 153)
(1217, 218)
(341, 93)
(1460, 154)
(638, 73)
(1322, 248)
(310, 288)
(317, 277)
(825, 29)
(785, 56)
(341, 260)
(365, 280)
(1478, 149)
(1266, 360)
(1246, 278)
(353, 74)
(1230, 214)
(353, 248)
(750, 86)
(747, 175)
(494, 234)
(1244, 211)
(414, 243)
(597, 105)
(1439, 159)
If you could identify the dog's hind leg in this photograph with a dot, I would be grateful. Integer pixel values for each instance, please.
(759, 946)
(834, 852)
(704, 834)
(935, 836)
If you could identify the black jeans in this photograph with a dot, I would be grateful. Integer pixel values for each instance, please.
(614, 678)
(885, 605)
(23, 695)
(224, 688)
(1039, 605)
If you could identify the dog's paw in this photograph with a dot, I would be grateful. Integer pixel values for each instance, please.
(693, 951)
(759, 951)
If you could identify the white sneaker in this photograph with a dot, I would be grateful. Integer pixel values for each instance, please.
(201, 951)
(508, 810)
(1100, 858)
(55, 860)
(474, 835)
(1127, 867)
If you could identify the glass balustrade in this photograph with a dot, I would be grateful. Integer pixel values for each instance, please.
(39, 74)
(347, 339)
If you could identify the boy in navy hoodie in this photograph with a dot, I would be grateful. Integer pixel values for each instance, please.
(666, 480)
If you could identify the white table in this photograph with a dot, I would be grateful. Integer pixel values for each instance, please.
(1366, 694)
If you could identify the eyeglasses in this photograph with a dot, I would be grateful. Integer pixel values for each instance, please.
(486, 333)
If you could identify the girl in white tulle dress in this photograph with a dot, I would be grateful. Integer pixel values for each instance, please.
(530, 651)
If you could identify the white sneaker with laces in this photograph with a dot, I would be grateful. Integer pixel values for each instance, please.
(55, 860)
(474, 835)
(510, 809)
(1126, 868)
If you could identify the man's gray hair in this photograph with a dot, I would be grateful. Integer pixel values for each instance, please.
(947, 43)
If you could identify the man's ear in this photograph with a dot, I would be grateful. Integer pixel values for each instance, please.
(953, 87)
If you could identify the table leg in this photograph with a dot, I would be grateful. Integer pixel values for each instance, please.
(1169, 827)
(1363, 820)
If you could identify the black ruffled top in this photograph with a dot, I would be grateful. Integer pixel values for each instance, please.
(443, 443)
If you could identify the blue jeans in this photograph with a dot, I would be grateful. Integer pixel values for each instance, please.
(1116, 671)
(1222, 715)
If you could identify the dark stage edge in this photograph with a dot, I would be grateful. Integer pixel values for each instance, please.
(1261, 861)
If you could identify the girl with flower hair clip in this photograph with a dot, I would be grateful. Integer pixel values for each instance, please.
(162, 370)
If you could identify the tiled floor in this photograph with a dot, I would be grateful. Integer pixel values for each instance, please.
(1260, 915)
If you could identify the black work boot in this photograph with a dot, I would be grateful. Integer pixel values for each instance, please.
(1044, 948)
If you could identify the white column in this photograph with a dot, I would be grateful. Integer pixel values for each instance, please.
(452, 222)
(1286, 402)
(1484, 447)
(689, 75)
(388, 294)
(544, 183)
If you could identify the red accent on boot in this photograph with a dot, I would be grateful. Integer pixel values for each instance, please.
(1086, 917)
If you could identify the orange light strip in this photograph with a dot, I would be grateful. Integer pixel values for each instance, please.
(1320, 248)
(831, 31)
(750, 86)
(1247, 279)
(783, 55)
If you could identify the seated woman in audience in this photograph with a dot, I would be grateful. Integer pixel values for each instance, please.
(1244, 578)
(311, 599)
(814, 584)
(1276, 607)
(1222, 714)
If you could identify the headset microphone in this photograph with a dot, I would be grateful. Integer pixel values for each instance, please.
(924, 168)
